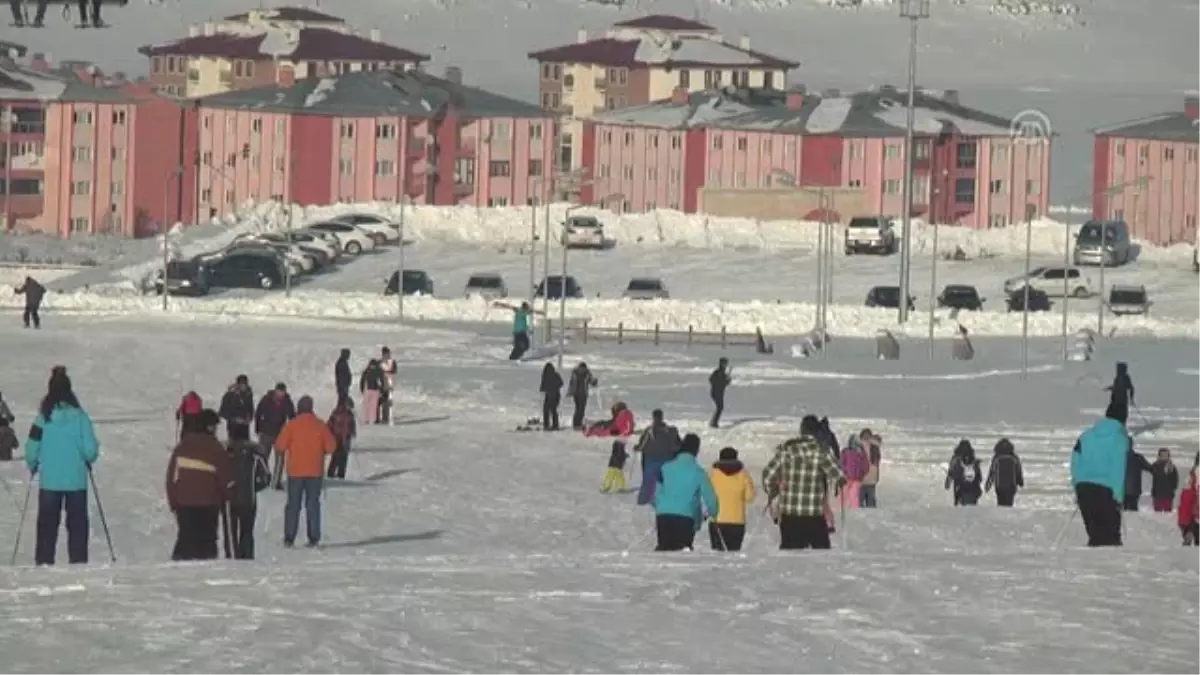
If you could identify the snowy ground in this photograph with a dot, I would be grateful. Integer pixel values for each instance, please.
(457, 546)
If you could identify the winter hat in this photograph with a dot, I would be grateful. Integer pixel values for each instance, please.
(243, 379)
(304, 405)
(657, 415)
(345, 353)
(690, 445)
(729, 455)
(810, 425)
(279, 386)
(385, 351)
(1004, 447)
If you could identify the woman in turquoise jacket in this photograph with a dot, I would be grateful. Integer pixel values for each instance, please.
(61, 450)
(683, 485)
(1098, 476)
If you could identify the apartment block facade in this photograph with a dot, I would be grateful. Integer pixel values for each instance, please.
(732, 151)
(639, 61)
(1147, 173)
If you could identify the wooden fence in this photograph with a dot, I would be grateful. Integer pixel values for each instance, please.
(582, 330)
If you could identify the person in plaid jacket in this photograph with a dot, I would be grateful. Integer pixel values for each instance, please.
(798, 476)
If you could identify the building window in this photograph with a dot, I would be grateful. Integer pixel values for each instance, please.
(347, 130)
(256, 125)
(964, 190)
(385, 167)
(118, 117)
(921, 151)
(891, 151)
(606, 137)
(1189, 155)
(628, 138)
(622, 75)
(497, 201)
(83, 117)
(117, 188)
(1168, 153)
(855, 183)
(712, 79)
(1120, 149)
(81, 153)
(766, 146)
(117, 154)
(768, 80)
(1031, 187)
(156, 64)
(742, 144)
(535, 167)
(674, 176)
(965, 158)
(1119, 214)
(714, 177)
(80, 188)
(650, 206)
(79, 224)
(278, 164)
(230, 198)
(998, 220)
(346, 166)
(499, 169)
(385, 131)
(230, 124)
(891, 186)
(651, 173)
(500, 131)
(625, 206)
(1144, 152)
(604, 171)
(739, 180)
(654, 140)
(205, 195)
(685, 78)
(547, 72)
(675, 142)
(999, 154)
(535, 132)
(718, 142)
(627, 173)
(248, 69)
(996, 187)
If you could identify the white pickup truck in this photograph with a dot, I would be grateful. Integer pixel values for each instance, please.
(873, 234)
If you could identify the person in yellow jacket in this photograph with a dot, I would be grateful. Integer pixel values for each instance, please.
(735, 492)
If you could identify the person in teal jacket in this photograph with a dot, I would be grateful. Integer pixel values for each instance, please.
(1098, 476)
(682, 487)
(60, 450)
(520, 329)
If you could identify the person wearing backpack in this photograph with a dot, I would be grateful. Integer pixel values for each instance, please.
(251, 475)
(1005, 473)
(964, 475)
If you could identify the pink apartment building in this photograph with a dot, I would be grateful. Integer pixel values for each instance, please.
(677, 152)
(370, 135)
(1145, 173)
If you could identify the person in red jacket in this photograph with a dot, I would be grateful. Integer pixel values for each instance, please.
(1189, 513)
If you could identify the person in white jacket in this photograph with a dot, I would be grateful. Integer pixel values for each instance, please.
(385, 395)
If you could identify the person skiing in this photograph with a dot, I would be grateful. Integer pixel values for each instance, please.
(344, 428)
(304, 441)
(658, 443)
(551, 389)
(870, 482)
(796, 479)
(342, 376)
(191, 404)
(520, 327)
(735, 492)
(5, 412)
(273, 412)
(718, 382)
(61, 450)
(1005, 473)
(1164, 482)
(251, 475)
(1135, 466)
(237, 407)
(388, 365)
(370, 385)
(578, 387)
(964, 475)
(1098, 463)
(8, 440)
(34, 292)
(1189, 513)
(682, 489)
(1121, 393)
(200, 481)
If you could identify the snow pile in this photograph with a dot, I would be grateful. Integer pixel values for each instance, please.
(774, 319)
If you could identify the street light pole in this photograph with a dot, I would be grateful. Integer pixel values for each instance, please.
(1066, 296)
(166, 227)
(821, 248)
(933, 259)
(533, 261)
(914, 11)
(287, 269)
(1025, 303)
(562, 288)
(400, 273)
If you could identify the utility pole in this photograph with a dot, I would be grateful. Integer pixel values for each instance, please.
(914, 11)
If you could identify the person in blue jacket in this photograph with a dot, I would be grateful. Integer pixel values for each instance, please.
(1098, 476)
(682, 486)
(60, 450)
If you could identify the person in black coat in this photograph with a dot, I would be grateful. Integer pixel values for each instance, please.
(1134, 466)
(1164, 482)
(273, 411)
(965, 475)
(237, 407)
(1005, 473)
(34, 292)
(551, 389)
(251, 474)
(581, 383)
(718, 382)
(1121, 393)
(342, 376)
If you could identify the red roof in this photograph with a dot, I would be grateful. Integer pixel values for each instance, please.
(291, 14)
(664, 22)
(623, 53)
(314, 44)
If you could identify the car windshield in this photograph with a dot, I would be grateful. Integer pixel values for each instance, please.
(414, 275)
(554, 284)
(484, 282)
(645, 285)
(1037, 272)
(583, 221)
(872, 223)
(1092, 232)
(1127, 296)
(888, 296)
(960, 292)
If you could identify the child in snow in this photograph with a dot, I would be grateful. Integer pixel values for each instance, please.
(621, 423)
(964, 475)
(1189, 513)
(8, 440)
(854, 464)
(370, 385)
(871, 445)
(1164, 482)
(1005, 473)
(614, 478)
(190, 404)
(341, 423)
(735, 491)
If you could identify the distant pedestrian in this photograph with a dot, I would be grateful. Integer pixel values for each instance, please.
(578, 388)
(797, 481)
(342, 377)
(33, 292)
(1005, 473)
(718, 382)
(965, 475)
(1164, 482)
(520, 327)
(342, 424)
(551, 390)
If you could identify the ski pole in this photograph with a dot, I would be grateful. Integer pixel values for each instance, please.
(645, 535)
(21, 523)
(225, 533)
(1063, 531)
(112, 553)
(720, 535)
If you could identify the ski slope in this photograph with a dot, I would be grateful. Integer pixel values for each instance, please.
(455, 545)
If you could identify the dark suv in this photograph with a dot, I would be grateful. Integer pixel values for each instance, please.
(961, 296)
(184, 277)
(247, 268)
(889, 297)
(416, 282)
(552, 288)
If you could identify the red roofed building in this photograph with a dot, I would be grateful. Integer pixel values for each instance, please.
(268, 46)
(643, 60)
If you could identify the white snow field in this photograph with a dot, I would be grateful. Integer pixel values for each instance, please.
(456, 545)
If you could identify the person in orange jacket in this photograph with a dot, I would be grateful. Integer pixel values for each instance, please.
(735, 491)
(304, 441)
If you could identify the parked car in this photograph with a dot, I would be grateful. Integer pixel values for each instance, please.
(380, 229)
(184, 277)
(354, 240)
(1038, 300)
(319, 253)
(646, 288)
(329, 238)
(306, 240)
(487, 286)
(552, 288)
(1049, 280)
(874, 234)
(1117, 241)
(416, 282)
(961, 296)
(246, 268)
(889, 297)
(584, 232)
(296, 260)
(1128, 299)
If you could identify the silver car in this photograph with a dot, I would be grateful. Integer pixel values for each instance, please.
(486, 286)
(646, 289)
(1128, 299)
(1103, 242)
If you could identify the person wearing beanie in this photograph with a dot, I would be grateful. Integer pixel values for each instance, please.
(200, 481)
(60, 451)
(1098, 463)
(237, 406)
(251, 475)
(798, 478)
(342, 376)
(304, 442)
(683, 498)
(273, 412)
(735, 492)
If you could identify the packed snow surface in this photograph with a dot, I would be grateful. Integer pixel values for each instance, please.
(456, 545)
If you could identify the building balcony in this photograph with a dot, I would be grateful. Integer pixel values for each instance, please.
(564, 109)
(30, 128)
(464, 189)
(416, 147)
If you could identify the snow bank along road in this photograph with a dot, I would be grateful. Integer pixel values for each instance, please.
(455, 545)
